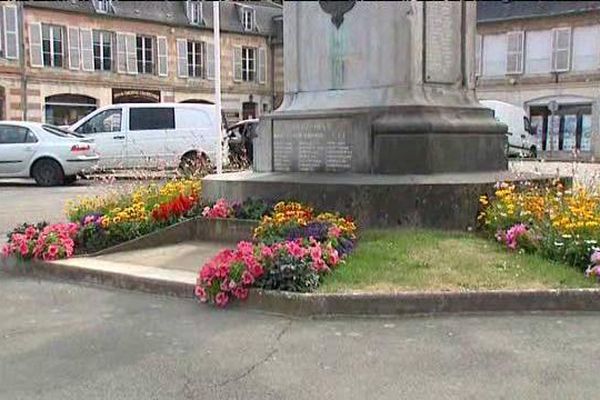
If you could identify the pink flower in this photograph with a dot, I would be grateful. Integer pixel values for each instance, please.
(319, 265)
(200, 293)
(295, 249)
(256, 270)
(266, 252)
(245, 248)
(247, 278)
(6, 250)
(335, 232)
(316, 253)
(30, 232)
(595, 257)
(221, 299)
(334, 257)
(52, 250)
(241, 293)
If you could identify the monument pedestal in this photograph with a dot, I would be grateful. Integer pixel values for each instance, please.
(379, 118)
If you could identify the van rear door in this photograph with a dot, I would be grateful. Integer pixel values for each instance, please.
(146, 136)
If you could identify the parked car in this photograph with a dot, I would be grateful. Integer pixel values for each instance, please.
(161, 135)
(239, 141)
(521, 138)
(48, 154)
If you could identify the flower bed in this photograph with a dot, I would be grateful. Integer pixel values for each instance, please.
(560, 224)
(293, 248)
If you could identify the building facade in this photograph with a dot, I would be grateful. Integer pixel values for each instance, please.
(534, 53)
(61, 60)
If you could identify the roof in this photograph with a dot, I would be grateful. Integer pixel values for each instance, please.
(491, 11)
(174, 12)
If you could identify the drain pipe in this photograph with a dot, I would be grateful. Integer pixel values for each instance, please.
(21, 21)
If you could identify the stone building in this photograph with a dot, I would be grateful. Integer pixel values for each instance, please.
(59, 60)
(530, 53)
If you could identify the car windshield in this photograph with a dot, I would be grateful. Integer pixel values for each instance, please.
(55, 130)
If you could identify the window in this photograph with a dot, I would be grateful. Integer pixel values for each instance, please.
(66, 109)
(494, 55)
(248, 64)
(561, 49)
(195, 50)
(194, 10)
(514, 52)
(145, 55)
(102, 51)
(52, 45)
(103, 6)
(538, 52)
(586, 49)
(478, 44)
(106, 121)
(248, 18)
(151, 118)
(10, 134)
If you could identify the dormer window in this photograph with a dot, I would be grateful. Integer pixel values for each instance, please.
(248, 18)
(102, 6)
(194, 11)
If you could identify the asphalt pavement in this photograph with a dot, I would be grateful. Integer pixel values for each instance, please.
(64, 341)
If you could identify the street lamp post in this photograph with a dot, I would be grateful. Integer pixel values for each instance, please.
(553, 107)
(217, 58)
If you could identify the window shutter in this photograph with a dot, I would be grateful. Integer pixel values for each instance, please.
(237, 63)
(11, 34)
(514, 52)
(182, 60)
(87, 49)
(74, 55)
(478, 47)
(131, 50)
(161, 49)
(35, 45)
(121, 53)
(262, 65)
(561, 49)
(2, 30)
(210, 61)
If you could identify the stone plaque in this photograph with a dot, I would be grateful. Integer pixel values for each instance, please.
(319, 145)
(443, 41)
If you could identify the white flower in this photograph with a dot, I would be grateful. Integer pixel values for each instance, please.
(559, 244)
(567, 236)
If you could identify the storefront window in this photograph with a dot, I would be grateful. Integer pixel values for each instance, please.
(568, 130)
(66, 109)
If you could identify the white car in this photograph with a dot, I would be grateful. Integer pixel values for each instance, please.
(161, 135)
(520, 138)
(46, 153)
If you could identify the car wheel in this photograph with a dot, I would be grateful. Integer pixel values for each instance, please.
(193, 164)
(533, 152)
(71, 179)
(48, 172)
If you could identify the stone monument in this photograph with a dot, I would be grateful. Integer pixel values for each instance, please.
(379, 117)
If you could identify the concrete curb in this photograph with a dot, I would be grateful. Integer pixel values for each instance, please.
(181, 284)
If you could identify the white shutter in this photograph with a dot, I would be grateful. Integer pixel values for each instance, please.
(131, 53)
(121, 53)
(74, 54)
(35, 45)
(561, 49)
(182, 58)
(514, 52)
(11, 33)
(1, 28)
(210, 61)
(262, 65)
(237, 63)
(87, 49)
(161, 49)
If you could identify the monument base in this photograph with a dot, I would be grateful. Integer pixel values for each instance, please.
(445, 201)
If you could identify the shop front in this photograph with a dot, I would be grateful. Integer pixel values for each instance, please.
(66, 109)
(566, 132)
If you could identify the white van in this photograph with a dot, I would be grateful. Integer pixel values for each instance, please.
(521, 141)
(147, 135)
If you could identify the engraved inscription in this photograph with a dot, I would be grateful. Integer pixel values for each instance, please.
(442, 41)
(313, 146)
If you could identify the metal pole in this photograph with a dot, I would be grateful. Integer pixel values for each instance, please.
(217, 58)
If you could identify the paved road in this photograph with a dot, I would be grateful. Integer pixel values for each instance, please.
(62, 341)
(23, 201)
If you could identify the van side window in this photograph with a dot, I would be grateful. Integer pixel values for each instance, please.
(151, 118)
(188, 118)
(527, 124)
(106, 121)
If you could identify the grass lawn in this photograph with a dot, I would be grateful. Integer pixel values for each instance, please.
(404, 260)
